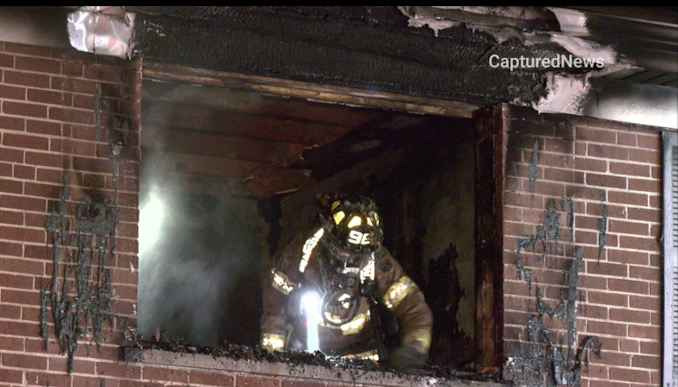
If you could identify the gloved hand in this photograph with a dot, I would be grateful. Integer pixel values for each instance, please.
(405, 358)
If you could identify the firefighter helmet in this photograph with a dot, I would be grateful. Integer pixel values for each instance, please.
(352, 225)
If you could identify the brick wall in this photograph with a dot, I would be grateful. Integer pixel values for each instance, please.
(48, 131)
(619, 291)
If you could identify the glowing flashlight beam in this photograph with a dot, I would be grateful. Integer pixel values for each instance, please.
(310, 302)
(150, 221)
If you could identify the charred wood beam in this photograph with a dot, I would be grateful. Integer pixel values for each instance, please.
(239, 124)
(217, 145)
(248, 102)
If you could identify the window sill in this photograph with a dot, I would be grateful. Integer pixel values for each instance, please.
(293, 370)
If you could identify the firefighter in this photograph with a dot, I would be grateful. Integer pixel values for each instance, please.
(340, 291)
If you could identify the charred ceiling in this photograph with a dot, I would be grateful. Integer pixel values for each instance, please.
(364, 47)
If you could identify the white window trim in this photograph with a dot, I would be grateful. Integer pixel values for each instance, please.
(670, 246)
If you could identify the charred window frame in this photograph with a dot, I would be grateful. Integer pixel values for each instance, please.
(485, 128)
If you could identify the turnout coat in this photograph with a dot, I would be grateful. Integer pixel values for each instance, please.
(298, 267)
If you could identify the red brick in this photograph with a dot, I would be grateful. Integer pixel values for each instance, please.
(12, 123)
(650, 348)
(606, 181)
(631, 375)
(130, 383)
(28, 49)
(298, 383)
(592, 282)
(38, 252)
(629, 169)
(74, 85)
(44, 127)
(50, 97)
(127, 245)
(24, 172)
(48, 379)
(11, 376)
(169, 374)
(122, 370)
(649, 244)
(645, 185)
(645, 332)
(624, 256)
(628, 198)
(11, 186)
(11, 344)
(653, 141)
(6, 60)
(5, 169)
(24, 109)
(626, 139)
(256, 381)
(24, 141)
(618, 226)
(123, 276)
(83, 101)
(635, 316)
(608, 152)
(606, 383)
(10, 217)
(12, 92)
(631, 346)
(34, 220)
(607, 298)
(558, 145)
(45, 159)
(647, 303)
(91, 164)
(27, 79)
(24, 266)
(72, 68)
(646, 214)
(10, 311)
(38, 64)
(646, 273)
(596, 135)
(16, 281)
(49, 175)
(71, 115)
(20, 297)
(609, 269)
(588, 164)
(628, 286)
(564, 175)
(645, 156)
(23, 234)
(211, 378)
(24, 361)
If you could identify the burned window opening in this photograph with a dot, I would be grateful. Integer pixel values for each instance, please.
(82, 240)
(166, 107)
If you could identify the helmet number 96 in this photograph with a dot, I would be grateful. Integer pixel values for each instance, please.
(358, 238)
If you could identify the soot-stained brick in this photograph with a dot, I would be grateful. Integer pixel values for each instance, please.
(82, 241)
